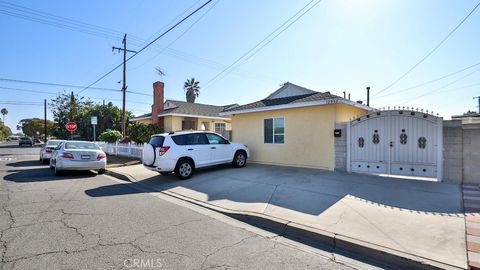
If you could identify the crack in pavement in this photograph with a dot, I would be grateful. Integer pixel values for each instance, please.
(225, 247)
(11, 222)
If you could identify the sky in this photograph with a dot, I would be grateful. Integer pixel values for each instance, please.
(338, 45)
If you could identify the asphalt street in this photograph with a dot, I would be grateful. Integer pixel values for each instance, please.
(82, 220)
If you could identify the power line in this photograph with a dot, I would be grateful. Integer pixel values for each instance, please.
(430, 81)
(21, 103)
(68, 85)
(431, 52)
(148, 45)
(255, 49)
(180, 36)
(172, 21)
(56, 84)
(443, 87)
(65, 20)
(112, 34)
(56, 93)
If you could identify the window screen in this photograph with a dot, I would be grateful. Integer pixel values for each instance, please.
(274, 130)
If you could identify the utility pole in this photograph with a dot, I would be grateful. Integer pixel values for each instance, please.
(368, 95)
(45, 119)
(124, 87)
(478, 103)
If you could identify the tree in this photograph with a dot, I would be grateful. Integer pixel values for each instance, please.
(192, 89)
(30, 126)
(141, 133)
(4, 112)
(69, 107)
(110, 136)
(5, 131)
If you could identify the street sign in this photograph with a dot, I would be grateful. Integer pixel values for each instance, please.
(93, 119)
(71, 126)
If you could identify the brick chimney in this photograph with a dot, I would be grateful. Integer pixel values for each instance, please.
(157, 106)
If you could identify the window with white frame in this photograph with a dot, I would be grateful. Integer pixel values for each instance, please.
(220, 128)
(274, 130)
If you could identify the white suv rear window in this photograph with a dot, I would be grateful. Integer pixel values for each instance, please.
(157, 141)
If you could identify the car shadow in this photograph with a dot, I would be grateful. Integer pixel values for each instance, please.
(44, 174)
(25, 163)
(18, 146)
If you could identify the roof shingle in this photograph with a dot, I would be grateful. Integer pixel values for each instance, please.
(284, 100)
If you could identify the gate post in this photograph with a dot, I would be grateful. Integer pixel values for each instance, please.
(348, 145)
(439, 149)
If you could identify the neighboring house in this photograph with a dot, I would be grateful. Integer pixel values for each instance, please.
(468, 118)
(174, 115)
(293, 126)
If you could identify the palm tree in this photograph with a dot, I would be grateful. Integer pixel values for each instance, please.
(192, 89)
(4, 112)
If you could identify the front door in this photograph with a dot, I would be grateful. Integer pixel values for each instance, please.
(221, 150)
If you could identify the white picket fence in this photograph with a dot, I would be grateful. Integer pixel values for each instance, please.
(132, 150)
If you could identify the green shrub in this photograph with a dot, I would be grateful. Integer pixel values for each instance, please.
(110, 136)
(140, 133)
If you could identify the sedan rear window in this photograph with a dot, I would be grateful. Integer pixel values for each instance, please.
(53, 143)
(157, 141)
(81, 145)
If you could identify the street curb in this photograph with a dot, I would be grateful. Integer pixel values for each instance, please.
(325, 240)
(119, 176)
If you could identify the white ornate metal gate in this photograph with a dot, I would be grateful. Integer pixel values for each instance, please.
(399, 142)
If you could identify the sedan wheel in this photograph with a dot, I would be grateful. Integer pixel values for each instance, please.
(57, 171)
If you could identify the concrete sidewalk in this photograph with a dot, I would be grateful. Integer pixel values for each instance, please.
(417, 220)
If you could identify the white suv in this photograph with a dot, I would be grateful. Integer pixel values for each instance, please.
(182, 152)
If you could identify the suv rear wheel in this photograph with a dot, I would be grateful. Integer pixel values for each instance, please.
(184, 169)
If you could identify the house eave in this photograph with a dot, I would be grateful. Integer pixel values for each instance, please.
(302, 104)
(140, 119)
(195, 116)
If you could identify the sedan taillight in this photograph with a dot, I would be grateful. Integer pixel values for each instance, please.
(101, 156)
(67, 155)
(163, 150)
(48, 150)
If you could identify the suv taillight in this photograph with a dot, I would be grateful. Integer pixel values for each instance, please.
(48, 150)
(163, 150)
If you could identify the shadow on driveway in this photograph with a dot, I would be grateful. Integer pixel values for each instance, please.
(25, 163)
(44, 174)
(303, 190)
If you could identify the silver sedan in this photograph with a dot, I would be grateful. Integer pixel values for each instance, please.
(78, 156)
(47, 150)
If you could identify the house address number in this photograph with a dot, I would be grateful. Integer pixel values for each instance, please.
(331, 101)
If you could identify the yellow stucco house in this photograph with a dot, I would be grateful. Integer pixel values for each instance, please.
(175, 115)
(293, 126)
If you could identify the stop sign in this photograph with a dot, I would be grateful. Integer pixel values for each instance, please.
(71, 126)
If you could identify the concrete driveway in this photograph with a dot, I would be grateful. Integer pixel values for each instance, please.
(414, 217)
